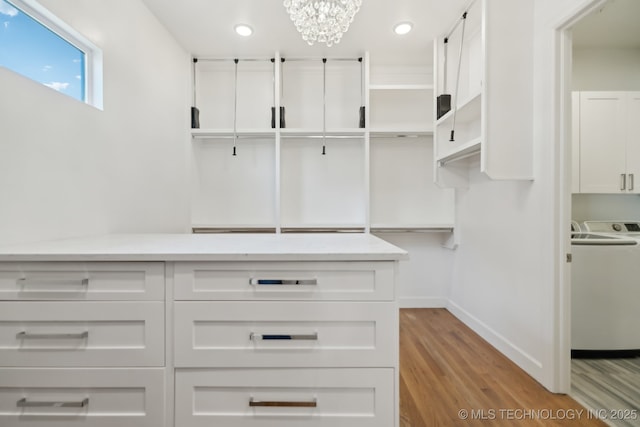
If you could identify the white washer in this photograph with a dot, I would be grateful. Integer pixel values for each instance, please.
(605, 296)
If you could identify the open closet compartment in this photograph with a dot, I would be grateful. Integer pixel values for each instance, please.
(322, 153)
(322, 171)
(485, 61)
(234, 150)
(404, 198)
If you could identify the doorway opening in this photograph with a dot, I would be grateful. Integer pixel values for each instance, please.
(597, 54)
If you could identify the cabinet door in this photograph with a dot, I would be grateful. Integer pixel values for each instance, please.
(602, 142)
(633, 142)
(575, 142)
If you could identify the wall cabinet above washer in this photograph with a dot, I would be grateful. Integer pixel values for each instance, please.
(608, 142)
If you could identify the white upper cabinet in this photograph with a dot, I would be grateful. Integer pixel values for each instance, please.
(609, 150)
(486, 66)
(633, 141)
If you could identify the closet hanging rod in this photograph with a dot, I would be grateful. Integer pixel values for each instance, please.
(455, 25)
(265, 136)
(399, 135)
(359, 59)
(322, 136)
(233, 59)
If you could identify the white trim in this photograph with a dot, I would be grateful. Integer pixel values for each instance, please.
(423, 302)
(561, 363)
(521, 358)
(93, 54)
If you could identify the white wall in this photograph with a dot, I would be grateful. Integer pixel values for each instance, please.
(507, 277)
(68, 169)
(425, 278)
(606, 69)
(605, 207)
(500, 284)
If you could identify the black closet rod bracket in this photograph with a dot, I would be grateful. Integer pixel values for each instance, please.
(462, 18)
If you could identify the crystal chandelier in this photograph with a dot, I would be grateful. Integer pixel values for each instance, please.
(322, 20)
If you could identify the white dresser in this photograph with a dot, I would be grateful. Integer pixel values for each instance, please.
(200, 330)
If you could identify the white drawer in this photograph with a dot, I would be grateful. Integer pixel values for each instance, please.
(82, 281)
(333, 398)
(82, 397)
(355, 281)
(285, 334)
(81, 333)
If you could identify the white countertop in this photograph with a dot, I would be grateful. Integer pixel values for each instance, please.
(209, 247)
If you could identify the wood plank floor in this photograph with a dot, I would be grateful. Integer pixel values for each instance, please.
(446, 368)
(612, 385)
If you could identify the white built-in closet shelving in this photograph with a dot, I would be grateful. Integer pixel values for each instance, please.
(486, 66)
(373, 178)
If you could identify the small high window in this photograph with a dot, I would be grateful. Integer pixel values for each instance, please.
(36, 44)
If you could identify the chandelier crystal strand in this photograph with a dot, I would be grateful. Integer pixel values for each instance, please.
(322, 21)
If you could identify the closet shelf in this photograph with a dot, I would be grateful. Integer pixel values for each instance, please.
(228, 133)
(323, 228)
(421, 228)
(462, 152)
(299, 132)
(401, 131)
(400, 87)
(467, 110)
(233, 228)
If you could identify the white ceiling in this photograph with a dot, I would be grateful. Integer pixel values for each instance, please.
(205, 28)
(615, 25)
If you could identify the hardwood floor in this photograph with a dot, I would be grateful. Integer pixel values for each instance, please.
(449, 376)
(609, 385)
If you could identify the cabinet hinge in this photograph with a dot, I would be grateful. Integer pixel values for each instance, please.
(569, 257)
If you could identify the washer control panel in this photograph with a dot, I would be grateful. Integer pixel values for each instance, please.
(612, 226)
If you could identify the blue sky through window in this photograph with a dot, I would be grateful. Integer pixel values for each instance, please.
(31, 49)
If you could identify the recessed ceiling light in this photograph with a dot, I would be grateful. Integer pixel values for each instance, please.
(244, 30)
(403, 28)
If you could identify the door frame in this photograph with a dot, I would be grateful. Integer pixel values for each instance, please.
(562, 43)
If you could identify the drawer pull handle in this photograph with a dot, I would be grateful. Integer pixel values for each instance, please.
(281, 282)
(24, 403)
(273, 337)
(630, 182)
(80, 336)
(23, 281)
(281, 404)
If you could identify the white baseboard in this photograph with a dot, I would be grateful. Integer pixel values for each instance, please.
(422, 302)
(525, 361)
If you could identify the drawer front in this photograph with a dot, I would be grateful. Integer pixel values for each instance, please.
(82, 397)
(81, 333)
(285, 397)
(82, 281)
(330, 281)
(285, 334)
